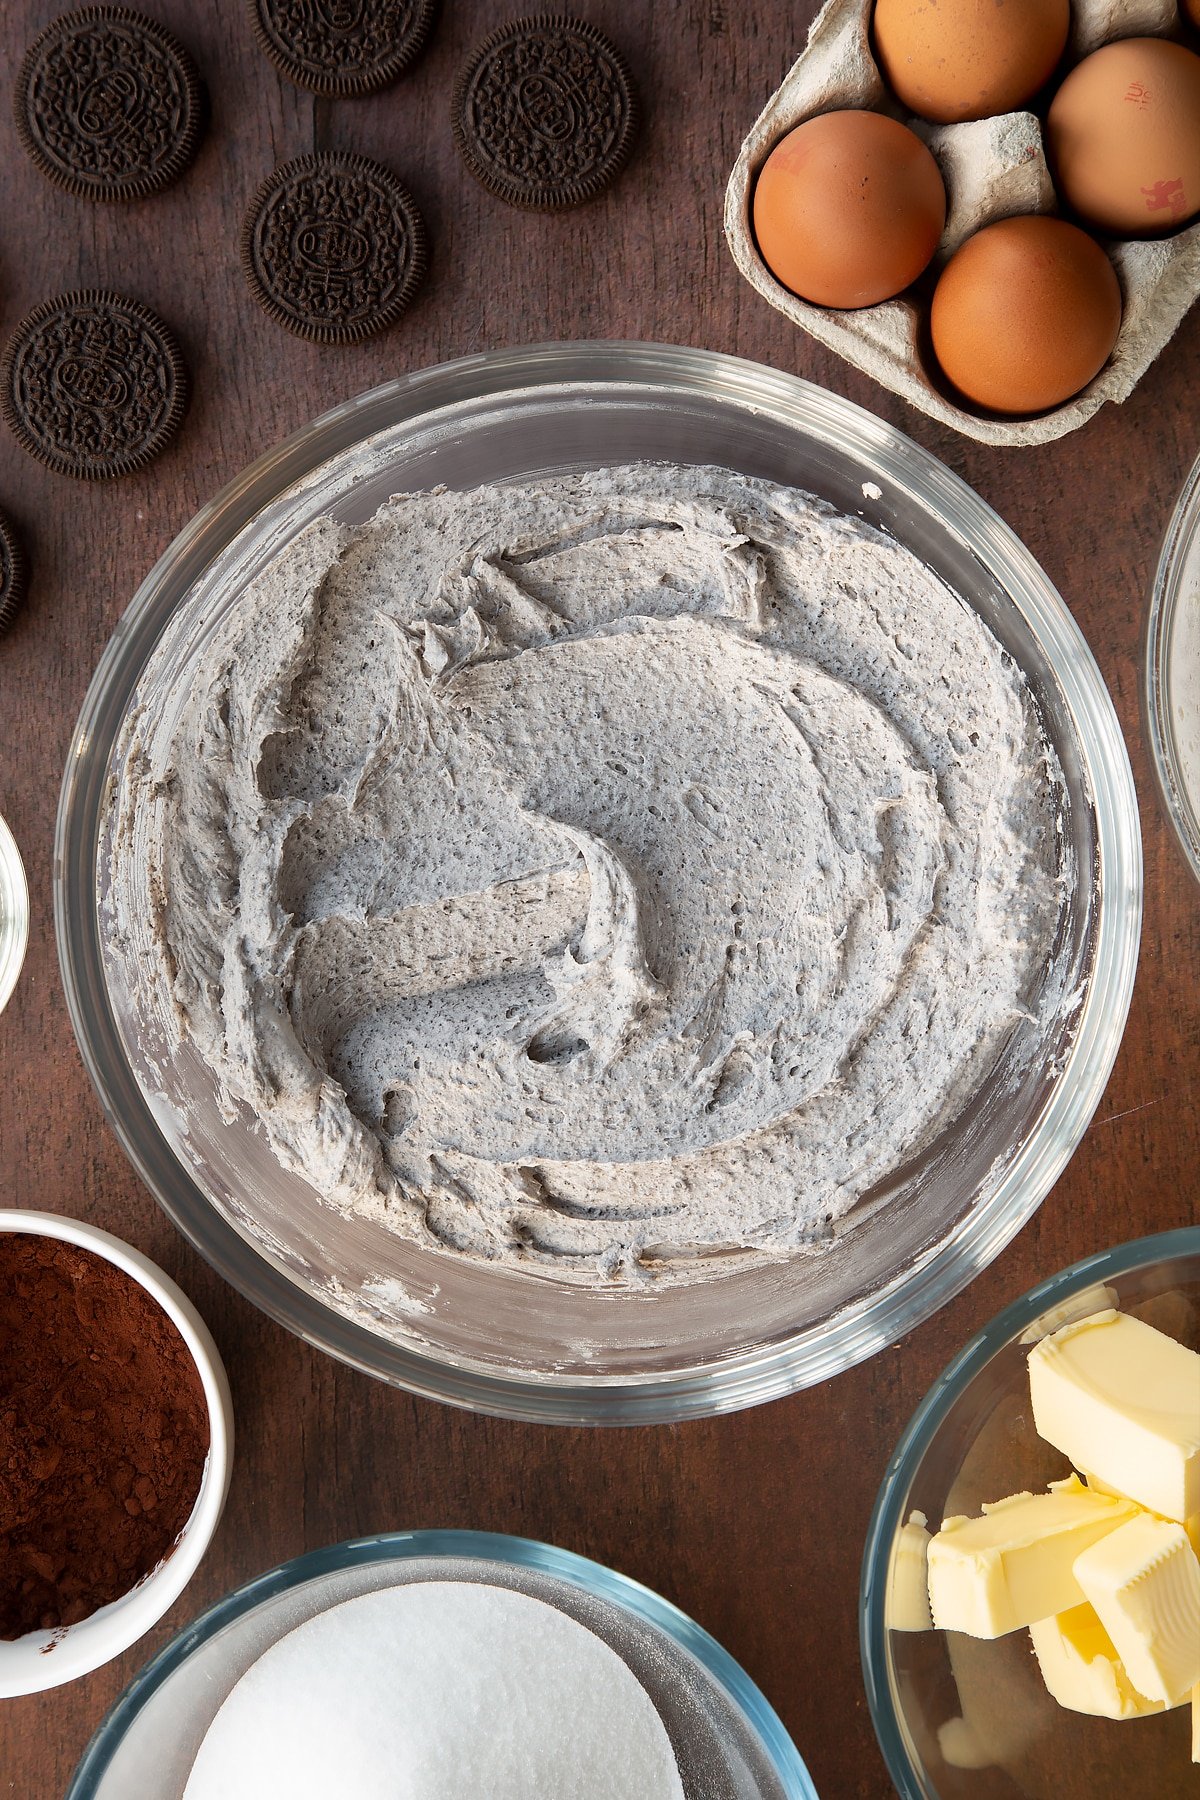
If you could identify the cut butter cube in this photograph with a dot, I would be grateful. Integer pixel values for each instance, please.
(1081, 1668)
(908, 1588)
(1193, 1531)
(1123, 1400)
(1144, 1582)
(1102, 1487)
(995, 1574)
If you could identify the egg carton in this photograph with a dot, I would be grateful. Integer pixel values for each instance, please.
(992, 168)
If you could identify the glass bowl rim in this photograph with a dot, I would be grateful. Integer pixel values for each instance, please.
(918, 1434)
(1183, 530)
(890, 1308)
(486, 1546)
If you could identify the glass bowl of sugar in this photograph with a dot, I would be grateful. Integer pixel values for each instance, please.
(306, 1650)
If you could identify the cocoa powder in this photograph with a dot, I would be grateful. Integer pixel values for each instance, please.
(103, 1433)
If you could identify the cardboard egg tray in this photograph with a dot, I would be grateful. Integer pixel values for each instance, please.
(992, 168)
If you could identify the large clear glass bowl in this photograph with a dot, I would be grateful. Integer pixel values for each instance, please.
(729, 1743)
(506, 1341)
(1172, 669)
(942, 1702)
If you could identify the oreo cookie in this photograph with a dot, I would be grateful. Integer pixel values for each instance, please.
(14, 574)
(342, 48)
(93, 384)
(545, 112)
(108, 104)
(334, 247)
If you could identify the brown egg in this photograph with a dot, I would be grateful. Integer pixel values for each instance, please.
(1123, 133)
(968, 59)
(1191, 12)
(848, 208)
(1024, 314)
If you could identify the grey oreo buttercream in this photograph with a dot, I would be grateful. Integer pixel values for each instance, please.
(602, 874)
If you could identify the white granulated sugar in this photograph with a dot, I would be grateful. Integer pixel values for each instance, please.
(437, 1691)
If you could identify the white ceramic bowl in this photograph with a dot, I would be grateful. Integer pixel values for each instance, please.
(47, 1659)
(14, 914)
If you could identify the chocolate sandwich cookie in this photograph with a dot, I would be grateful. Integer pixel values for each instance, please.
(334, 247)
(14, 574)
(343, 47)
(545, 113)
(93, 384)
(108, 104)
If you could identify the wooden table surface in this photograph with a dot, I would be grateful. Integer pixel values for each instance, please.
(753, 1524)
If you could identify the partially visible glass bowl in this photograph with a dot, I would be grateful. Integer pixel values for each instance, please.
(942, 1702)
(14, 914)
(502, 1340)
(729, 1743)
(1172, 669)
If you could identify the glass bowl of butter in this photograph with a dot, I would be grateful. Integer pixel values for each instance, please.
(1030, 1605)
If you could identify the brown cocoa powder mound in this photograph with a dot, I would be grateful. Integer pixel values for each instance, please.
(103, 1433)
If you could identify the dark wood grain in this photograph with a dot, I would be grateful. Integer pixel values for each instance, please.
(754, 1524)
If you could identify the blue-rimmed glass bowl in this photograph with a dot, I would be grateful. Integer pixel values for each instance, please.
(962, 1719)
(728, 1741)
